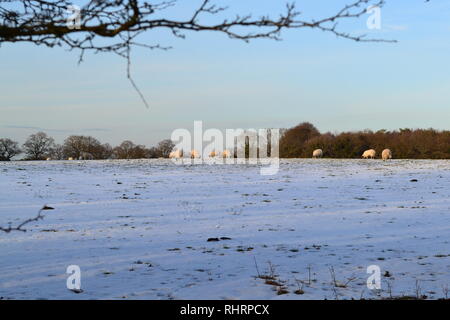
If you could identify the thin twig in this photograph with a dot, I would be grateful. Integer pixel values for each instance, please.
(19, 227)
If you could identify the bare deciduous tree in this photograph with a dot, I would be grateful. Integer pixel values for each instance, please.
(8, 149)
(124, 150)
(77, 146)
(38, 146)
(129, 150)
(165, 147)
(153, 153)
(105, 151)
(57, 152)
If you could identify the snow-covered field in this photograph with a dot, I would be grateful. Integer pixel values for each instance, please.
(139, 229)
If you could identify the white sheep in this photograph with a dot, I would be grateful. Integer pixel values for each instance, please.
(195, 154)
(177, 154)
(213, 154)
(369, 154)
(226, 154)
(318, 153)
(386, 154)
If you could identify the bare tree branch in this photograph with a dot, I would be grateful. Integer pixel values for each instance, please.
(25, 222)
(45, 22)
(114, 25)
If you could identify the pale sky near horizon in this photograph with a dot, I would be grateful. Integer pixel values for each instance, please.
(336, 84)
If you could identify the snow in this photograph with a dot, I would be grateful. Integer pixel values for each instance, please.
(139, 229)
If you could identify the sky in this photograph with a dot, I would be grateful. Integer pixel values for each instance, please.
(336, 84)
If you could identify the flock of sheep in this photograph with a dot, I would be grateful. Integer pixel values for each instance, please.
(194, 154)
(318, 153)
(368, 154)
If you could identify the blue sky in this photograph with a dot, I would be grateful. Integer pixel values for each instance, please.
(311, 76)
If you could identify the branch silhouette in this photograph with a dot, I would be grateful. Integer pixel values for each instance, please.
(19, 227)
(114, 25)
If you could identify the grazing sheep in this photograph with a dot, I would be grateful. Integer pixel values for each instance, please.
(369, 154)
(226, 154)
(177, 154)
(318, 153)
(386, 154)
(195, 154)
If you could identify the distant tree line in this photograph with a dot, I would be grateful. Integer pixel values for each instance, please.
(40, 146)
(297, 142)
(301, 140)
